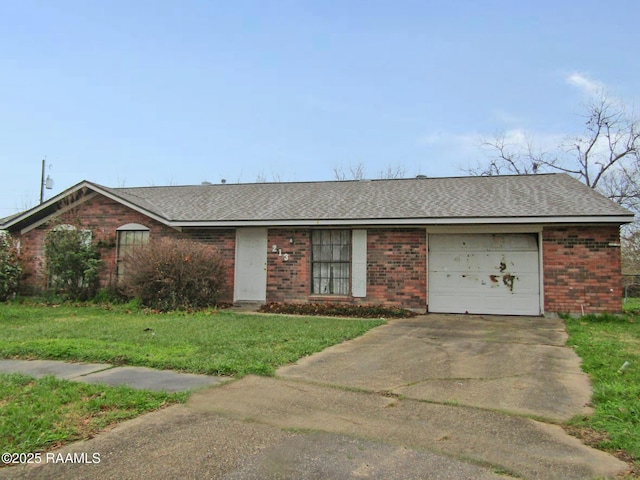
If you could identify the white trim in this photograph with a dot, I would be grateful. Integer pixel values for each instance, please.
(541, 272)
(405, 221)
(427, 267)
(65, 209)
(359, 263)
(132, 206)
(132, 227)
(47, 203)
(425, 221)
(487, 228)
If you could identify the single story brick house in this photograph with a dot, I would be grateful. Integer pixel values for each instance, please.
(517, 245)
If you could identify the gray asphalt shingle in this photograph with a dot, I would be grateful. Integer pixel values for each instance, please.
(551, 195)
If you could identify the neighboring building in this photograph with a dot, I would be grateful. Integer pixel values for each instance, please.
(524, 245)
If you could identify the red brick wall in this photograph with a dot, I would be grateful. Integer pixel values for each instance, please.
(100, 215)
(288, 280)
(103, 216)
(396, 268)
(581, 266)
(582, 269)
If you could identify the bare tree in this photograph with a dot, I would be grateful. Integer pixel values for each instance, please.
(392, 171)
(358, 171)
(509, 158)
(275, 177)
(354, 172)
(606, 156)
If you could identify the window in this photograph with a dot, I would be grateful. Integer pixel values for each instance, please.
(331, 262)
(130, 237)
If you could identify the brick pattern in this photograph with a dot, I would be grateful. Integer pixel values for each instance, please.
(581, 263)
(289, 268)
(103, 216)
(582, 269)
(100, 215)
(396, 268)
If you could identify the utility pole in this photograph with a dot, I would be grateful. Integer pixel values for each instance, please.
(44, 183)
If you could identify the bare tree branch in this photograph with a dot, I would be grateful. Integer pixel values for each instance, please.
(354, 172)
(605, 157)
(393, 171)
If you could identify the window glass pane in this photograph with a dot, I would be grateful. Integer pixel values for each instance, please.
(331, 257)
(325, 253)
(128, 241)
(340, 287)
(345, 253)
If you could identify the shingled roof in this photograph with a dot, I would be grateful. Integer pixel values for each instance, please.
(461, 200)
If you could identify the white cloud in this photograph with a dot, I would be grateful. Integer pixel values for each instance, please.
(457, 152)
(584, 83)
(473, 142)
(542, 141)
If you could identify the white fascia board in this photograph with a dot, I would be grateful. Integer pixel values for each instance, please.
(486, 228)
(132, 206)
(95, 190)
(135, 207)
(43, 205)
(406, 221)
(33, 226)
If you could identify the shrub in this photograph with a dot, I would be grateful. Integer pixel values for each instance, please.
(73, 263)
(338, 310)
(10, 268)
(174, 274)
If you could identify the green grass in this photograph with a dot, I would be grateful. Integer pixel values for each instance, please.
(605, 342)
(631, 304)
(47, 412)
(213, 342)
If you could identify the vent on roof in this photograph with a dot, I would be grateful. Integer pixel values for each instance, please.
(421, 176)
(224, 180)
(206, 183)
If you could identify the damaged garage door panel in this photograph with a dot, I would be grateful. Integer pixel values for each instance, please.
(484, 273)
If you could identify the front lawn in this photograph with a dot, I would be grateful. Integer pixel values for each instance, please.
(39, 414)
(48, 412)
(605, 343)
(212, 342)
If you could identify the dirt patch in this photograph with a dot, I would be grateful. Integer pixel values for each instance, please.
(595, 439)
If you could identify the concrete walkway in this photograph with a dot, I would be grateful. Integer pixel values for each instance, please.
(135, 377)
(435, 397)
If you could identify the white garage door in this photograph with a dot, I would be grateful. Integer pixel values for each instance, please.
(484, 273)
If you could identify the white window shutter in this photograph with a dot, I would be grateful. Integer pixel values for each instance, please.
(359, 263)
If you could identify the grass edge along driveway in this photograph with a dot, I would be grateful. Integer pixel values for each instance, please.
(45, 413)
(605, 343)
(210, 342)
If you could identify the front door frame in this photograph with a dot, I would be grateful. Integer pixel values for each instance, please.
(250, 279)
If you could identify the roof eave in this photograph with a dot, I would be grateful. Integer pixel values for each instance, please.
(44, 205)
(618, 220)
(16, 220)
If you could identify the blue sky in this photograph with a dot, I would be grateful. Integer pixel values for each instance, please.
(137, 93)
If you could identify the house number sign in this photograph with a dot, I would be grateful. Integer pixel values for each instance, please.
(275, 249)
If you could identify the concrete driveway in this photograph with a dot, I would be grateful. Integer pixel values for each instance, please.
(437, 396)
(513, 364)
